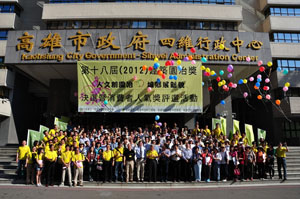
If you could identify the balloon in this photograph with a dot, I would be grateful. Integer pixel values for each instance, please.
(159, 124)
(150, 68)
(259, 97)
(259, 63)
(223, 102)
(267, 80)
(156, 59)
(134, 78)
(212, 72)
(163, 76)
(241, 81)
(223, 82)
(230, 68)
(287, 84)
(258, 80)
(172, 63)
(203, 68)
(105, 102)
(225, 87)
(251, 79)
(175, 77)
(202, 83)
(157, 117)
(149, 89)
(203, 59)
(175, 54)
(279, 69)
(285, 71)
(178, 62)
(179, 68)
(220, 84)
(268, 97)
(218, 79)
(158, 80)
(144, 67)
(193, 50)
(270, 64)
(248, 59)
(171, 77)
(234, 85)
(259, 76)
(160, 73)
(229, 75)
(245, 94)
(266, 88)
(193, 62)
(285, 89)
(255, 87)
(167, 63)
(245, 81)
(207, 70)
(278, 102)
(190, 57)
(186, 59)
(257, 84)
(221, 72)
(262, 69)
(210, 88)
(230, 84)
(222, 46)
(156, 65)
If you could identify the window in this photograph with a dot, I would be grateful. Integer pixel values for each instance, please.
(9, 8)
(285, 37)
(1, 60)
(291, 129)
(222, 2)
(147, 24)
(3, 34)
(278, 11)
(290, 64)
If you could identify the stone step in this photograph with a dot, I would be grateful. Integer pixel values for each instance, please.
(8, 167)
(7, 159)
(8, 171)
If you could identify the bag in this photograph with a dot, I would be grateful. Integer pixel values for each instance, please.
(99, 167)
(237, 172)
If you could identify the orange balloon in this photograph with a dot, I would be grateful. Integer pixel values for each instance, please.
(278, 102)
(160, 73)
(190, 57)
(144, 67)
(255, 87)
(259, 97)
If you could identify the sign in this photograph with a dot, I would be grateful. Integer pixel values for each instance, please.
(70, 46)
(261, 134)
(111, 87)
(42, 129)
(223, 125)
(236, 126)
(32, 136)
(214, 122)
(60, 124)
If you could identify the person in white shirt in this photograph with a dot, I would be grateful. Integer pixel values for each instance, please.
(224, 163)
(140, 154)
(175, 157)
(217, 158)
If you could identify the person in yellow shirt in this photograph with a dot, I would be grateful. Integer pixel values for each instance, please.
(196, 130)
(217, 131)
(30, 160)
(78, 166)
(39, 166)
(118, 161)
(244, 139)
(54, 130)
(21, 158)
(60, 135)
(108, 156)
(152, 155)
(66, 158)
(281, 162)
(50, 159)
(207, 131)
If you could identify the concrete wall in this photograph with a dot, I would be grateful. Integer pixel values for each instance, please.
(281, 23)
(295, 105)
(7, 20)
(265, 3)
(285, 50)
(141, 11)
(31, 15)
(8, 134)
(2, 47)
(6, 78)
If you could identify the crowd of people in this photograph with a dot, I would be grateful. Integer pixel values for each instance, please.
(161, 153)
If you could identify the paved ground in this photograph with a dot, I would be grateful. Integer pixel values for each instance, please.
(290, 191)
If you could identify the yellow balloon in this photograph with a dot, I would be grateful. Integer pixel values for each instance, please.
(212, 72)
(223, 82)
(220, 84)
(270, 64)
(207, 70)
(156, 59)
(245, 81)
(287, 84)
(203, 68)
(222, 46)
(178, 62)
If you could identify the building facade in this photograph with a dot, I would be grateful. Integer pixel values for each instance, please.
(39, 82)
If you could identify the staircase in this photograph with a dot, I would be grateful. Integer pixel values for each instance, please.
(8, 165)
(293, 164)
